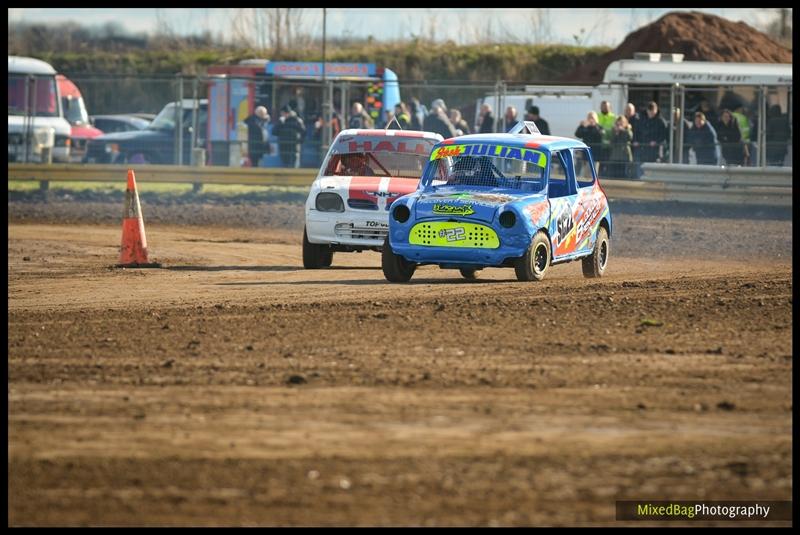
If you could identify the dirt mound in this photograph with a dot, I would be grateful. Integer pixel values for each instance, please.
(698, 36)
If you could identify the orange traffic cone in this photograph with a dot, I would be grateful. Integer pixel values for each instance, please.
(133, 252)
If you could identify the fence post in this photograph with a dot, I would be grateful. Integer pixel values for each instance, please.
(195, 104)
(762, 126)
(179, 121)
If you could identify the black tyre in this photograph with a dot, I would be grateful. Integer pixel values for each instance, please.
(315, 256)
(534, 263)
(595, 264)
(469, 274)
(395, 267)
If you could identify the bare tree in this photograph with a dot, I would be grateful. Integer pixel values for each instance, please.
(780, 28)
(541, 26)
(241, 35)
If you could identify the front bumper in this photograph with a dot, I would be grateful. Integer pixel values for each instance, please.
(16, 153)
(513, 243)
(346, 228)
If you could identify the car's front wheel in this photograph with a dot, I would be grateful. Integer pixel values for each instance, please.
(532, 266)
(469, 274)
(395, 267)
(315, 256)
(595, 264)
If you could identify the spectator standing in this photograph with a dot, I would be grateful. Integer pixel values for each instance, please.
(402, 116)
(606, 120)
(290, 132)
(621, 154)
(298, 102)
(777, 135)
(359, 118)
(539, 121)
(730, 138)
(461, 126)
(510, 118)
(485, 124)
(437, 120)
(744, 127)
(418, 114)
(590, 132)
(633, 118)
(649, 137)
(708, 112)
(703, 140)
(257, 137)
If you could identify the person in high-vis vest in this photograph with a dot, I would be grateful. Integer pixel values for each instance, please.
(605, 119)
(744, 128)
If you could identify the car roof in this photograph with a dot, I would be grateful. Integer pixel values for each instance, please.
(396, 133)
(130, 119)
(20, 64)
(535, 141)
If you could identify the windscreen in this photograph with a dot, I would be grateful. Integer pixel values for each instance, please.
(74, 110)
(41, 100)
(165, 120)
(381, 157)
(490, 165)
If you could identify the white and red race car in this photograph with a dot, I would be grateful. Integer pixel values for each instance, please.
(363, 173)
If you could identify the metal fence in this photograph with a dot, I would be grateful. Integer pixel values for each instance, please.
(203, 120)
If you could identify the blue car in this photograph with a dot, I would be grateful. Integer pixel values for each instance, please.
(520, 200)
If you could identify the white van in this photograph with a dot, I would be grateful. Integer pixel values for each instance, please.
(35, 113)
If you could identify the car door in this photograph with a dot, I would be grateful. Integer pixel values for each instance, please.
(563, 197)
(588, 200)
(189, 129)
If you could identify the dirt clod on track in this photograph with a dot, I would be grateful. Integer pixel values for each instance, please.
(233, 387)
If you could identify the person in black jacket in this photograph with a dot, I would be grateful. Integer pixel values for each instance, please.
(590, 132)
(777, 135)
(437, 121)
(730, 138)
(290, 132)
(485, 124)
(703, 140)
(649, 137)
(257, 135)
(541, 124)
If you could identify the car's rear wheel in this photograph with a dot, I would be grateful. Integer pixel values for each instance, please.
(533, 265)
(469, 274)
(595, 264)
(395, 267)
(315, 255)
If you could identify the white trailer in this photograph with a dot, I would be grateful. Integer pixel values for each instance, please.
(664, 78)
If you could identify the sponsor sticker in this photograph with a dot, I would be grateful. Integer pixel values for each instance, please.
(452, 209)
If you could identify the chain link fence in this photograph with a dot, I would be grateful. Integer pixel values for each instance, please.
(211, 120)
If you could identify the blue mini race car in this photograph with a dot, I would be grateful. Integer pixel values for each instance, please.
(520, 200)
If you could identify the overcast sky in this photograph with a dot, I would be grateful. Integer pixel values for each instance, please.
(601, 26)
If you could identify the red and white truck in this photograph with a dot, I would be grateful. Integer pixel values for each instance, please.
(75, 113)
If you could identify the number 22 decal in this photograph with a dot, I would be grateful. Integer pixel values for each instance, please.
(453, 234)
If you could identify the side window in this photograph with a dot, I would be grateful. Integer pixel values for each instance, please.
(558, 185)
(583, 169)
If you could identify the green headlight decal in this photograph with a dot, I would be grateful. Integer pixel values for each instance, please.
(536, 157)
(453, 234)
(453, 209)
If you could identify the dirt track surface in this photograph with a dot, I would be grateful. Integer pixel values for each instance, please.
(233, 387)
